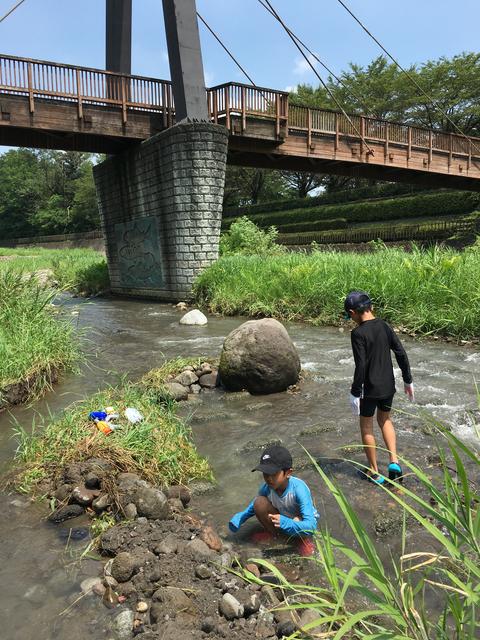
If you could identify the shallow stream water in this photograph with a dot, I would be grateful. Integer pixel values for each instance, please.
(39, 577)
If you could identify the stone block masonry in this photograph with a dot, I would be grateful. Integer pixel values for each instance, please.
(161, 210)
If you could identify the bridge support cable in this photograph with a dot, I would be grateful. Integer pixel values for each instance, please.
(229, 53)
(408, 75)
(10, 11)
(325, 86)
(361, 101)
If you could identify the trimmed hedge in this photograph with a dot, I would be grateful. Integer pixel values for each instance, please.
(438, 203)
(319, 225)
(348, 195)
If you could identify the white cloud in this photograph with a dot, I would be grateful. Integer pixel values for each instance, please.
(292, 88)
(302, 67)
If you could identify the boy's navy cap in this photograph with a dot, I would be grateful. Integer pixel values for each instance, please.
(273, 459)
(356, 299)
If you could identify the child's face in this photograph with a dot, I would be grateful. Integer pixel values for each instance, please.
(278, 480)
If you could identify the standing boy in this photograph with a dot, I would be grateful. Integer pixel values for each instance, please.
(373, 385)
(284, 503)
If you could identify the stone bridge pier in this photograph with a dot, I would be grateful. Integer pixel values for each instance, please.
(161, 210)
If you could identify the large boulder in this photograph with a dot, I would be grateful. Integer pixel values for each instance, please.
(259, 356)
(195, 316)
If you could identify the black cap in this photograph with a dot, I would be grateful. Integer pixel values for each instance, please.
(357, 299)
(273, 459)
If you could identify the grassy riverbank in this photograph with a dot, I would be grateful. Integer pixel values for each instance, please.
(434, 291)
(35, 343)
(82, 271)
(159, 448)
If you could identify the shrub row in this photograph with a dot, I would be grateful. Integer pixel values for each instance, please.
(348, 195)
(319, 225)
(438, 203)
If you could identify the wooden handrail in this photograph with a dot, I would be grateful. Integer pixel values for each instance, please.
(84, 85)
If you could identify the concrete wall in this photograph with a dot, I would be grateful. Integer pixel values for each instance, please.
(85, 240)
(161, 210)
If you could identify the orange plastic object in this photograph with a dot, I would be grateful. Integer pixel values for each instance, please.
(104, 427)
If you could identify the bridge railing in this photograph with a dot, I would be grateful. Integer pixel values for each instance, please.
(235, 100)
(320, 121)
(82, 85)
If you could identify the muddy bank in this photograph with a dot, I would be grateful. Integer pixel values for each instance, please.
(170, 575)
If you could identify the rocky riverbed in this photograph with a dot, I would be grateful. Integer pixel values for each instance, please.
(166, 572)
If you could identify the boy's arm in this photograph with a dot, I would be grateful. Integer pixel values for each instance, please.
(242, 516)
(400, 356)
(308, 521)
(359, 355)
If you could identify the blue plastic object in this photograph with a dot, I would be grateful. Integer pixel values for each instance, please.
(97, 415)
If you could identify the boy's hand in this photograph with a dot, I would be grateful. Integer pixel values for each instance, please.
(409, 391)
(275, 519)
(355, 404)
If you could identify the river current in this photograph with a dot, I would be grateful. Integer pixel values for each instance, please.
(40, 577)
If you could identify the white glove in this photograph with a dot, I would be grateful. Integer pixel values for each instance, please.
(355, 404)
(409, 391)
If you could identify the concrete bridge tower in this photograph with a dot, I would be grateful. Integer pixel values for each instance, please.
(161, 202)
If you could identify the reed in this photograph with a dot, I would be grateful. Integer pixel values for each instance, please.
(431, 291)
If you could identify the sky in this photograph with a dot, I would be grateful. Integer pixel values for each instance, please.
(414, 31)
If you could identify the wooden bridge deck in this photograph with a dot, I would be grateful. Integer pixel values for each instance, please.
(48, 105)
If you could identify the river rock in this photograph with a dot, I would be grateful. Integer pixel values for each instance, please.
(130, 511)
(186, 378)
(176, 391)
(199, 550)
(203, 572)
(194, 317)
(307, 616)
(63, 492)
(102, 502)
(168, 545)
(66, 513)
(230, 607)
(123, 624)
(151, 503)
(91, 586)
(84, 496)
(181, 492)
(123, 566)
(259, 356)
(211, 538)
(209, 380)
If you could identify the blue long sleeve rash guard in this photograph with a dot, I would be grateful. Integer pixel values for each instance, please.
(295, 501)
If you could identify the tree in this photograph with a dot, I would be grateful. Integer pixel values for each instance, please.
(247, 185)
(300, 183)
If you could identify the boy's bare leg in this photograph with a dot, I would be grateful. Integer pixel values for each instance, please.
(263, 507)
(368, 441)
(388, 432)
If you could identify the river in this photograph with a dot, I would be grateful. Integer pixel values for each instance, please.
(40, 577)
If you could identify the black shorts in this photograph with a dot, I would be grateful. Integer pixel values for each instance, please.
(368, 405)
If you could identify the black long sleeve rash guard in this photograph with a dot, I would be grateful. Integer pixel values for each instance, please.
(372, 342)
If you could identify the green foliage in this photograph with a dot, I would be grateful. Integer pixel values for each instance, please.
(35, 341)
(318, 225)
(159, 448)
(365, 598)
(381, 90)
(46, 192)
(245, 238)
(347, 195)
(438, 203)
(431, 291)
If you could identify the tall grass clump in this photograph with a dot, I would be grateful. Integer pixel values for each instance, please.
(245, 238)
(82, 271)
(159, 448)
(35, 343)
(430, 593)
(436, 290)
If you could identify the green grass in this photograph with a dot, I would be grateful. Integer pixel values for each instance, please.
(426, 291)
(35, 342)
(82, 271)
(159, 448)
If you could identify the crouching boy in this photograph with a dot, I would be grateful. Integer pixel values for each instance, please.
(284, 504)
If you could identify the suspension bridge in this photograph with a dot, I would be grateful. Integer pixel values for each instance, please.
(160, 190)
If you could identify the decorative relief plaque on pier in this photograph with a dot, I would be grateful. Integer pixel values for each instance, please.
(139, 254)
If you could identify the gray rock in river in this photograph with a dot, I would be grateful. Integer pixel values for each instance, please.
(259, 356)
(66, 512)
(176, 391)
